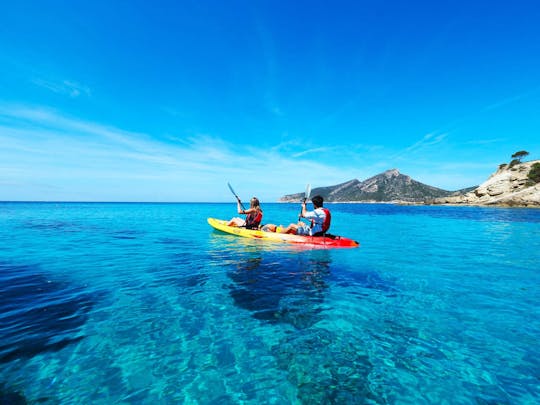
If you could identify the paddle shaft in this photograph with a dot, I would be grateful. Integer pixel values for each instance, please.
(306, 196)
(237, 198)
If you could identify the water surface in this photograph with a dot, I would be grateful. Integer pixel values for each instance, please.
(145, 303)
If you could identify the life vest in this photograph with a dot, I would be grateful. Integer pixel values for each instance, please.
(253, 219)
(326, 222)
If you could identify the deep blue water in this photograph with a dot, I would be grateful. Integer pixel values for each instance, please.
(145, 303)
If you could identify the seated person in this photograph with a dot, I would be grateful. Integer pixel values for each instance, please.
(320, 220)
(254, 215)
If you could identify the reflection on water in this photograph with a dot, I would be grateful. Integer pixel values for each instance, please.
(289, 288)
(285, 288)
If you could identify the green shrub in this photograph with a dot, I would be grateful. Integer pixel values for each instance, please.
(520, 155)
(514, 162)
(534, 173)
(502, 166)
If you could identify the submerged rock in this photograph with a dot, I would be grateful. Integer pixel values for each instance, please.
(37, 314)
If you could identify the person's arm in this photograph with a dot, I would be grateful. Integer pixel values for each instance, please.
(242, 211)
(308, 214)
(304, 211)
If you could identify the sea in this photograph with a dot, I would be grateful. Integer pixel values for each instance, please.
(144, 303)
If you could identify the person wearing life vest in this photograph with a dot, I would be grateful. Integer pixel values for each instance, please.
(254, 215)
(319, 218)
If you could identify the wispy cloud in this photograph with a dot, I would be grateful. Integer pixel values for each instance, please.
(312, 151)
(425, 142)
(510, 100)
(65, 87)
(48, 155)
(81, 159)
(482, 142)
(461, 121)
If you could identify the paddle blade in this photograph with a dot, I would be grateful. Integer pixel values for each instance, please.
(237, 198)
(306, 196)
(232, 190)
(308, 192)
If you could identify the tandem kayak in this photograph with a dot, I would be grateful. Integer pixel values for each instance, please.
(329, 241)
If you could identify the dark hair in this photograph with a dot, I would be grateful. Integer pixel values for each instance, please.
(317, 201)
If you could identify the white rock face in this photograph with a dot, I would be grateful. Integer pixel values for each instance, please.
(506, 187)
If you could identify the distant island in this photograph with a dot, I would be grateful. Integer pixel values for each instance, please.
(516, 184)
(389, 186)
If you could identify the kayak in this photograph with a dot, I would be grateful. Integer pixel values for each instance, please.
(328, 241)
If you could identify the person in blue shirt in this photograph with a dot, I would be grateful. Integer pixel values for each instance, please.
(319, 220)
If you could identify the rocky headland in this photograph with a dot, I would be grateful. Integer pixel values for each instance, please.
(509, 186)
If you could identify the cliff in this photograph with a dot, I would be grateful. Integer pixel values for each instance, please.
(508, 186)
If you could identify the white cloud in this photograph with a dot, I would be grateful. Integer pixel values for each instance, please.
(65, 87)
(311, 151)
(427, 140)
(511, 99)
(482, 142)
(421, 145)
(97, 160)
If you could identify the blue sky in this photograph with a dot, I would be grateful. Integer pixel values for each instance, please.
(170, 100)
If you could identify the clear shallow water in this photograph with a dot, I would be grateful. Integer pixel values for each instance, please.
(145, 303)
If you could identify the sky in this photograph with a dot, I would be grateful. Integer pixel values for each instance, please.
(170, 100)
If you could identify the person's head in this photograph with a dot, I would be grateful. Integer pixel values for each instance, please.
(317, 201)
(254, 202)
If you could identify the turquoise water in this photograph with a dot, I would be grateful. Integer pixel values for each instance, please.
(145, 303)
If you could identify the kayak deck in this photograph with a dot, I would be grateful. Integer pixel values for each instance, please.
(319, 241)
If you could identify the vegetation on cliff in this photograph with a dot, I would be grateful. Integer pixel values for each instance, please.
(534, 175)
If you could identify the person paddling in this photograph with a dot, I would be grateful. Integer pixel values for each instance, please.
(254, 215)
(320, 220)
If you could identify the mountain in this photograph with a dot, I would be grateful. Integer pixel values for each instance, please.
(384, 187)
(511, 185)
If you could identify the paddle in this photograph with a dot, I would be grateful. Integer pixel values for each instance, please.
(237, 198)
(306, 196)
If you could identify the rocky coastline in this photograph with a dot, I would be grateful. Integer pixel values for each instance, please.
(509, 186)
